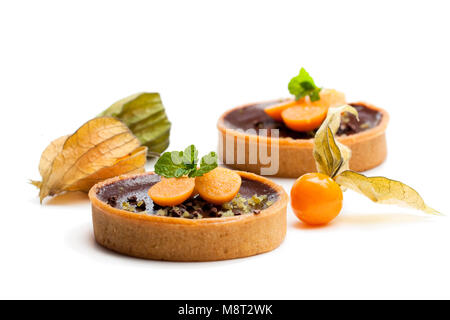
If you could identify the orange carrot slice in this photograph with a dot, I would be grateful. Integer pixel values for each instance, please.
(219, 185)
(304, 118)
(172, 191)
(328, 98)
(275, 110)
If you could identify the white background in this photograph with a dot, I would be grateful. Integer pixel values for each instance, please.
(63, 62)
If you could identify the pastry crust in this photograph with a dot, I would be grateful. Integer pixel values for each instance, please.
(178, 239)
(296, 155)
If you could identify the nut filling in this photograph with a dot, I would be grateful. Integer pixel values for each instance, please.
(131, 195)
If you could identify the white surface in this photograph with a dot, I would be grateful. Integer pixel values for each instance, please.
(61, 63)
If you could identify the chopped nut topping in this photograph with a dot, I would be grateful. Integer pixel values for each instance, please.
(112, 201)
(197, 208)
(126, 206)
(161, 212)
(132, 200)
(365, 125)
(140, 206)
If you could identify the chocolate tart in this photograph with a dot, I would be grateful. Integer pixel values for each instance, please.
(147, 235)
(366, 138)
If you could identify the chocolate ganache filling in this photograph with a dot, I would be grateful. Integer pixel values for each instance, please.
(131, 194)
(254, 117)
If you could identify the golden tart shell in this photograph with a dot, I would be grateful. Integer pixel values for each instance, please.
(177, 239)
(296, 155)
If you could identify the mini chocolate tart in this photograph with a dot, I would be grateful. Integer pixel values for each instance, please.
(240, 131)
(127, 221)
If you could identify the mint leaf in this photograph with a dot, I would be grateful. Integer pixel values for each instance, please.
(190, 155)
(182, 172)
(303, 85)
(208, 163)
(314, 95)
(169, 163)
(177, 164)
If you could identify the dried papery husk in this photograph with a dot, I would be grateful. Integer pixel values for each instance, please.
(130, 164)
(331, 156)
(384, 190)
(145, 115)
(102, 147)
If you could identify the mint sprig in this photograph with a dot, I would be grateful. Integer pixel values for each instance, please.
(303, 85)
(177, 164)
